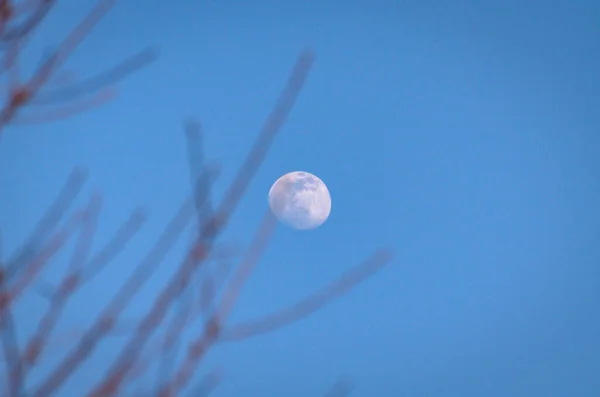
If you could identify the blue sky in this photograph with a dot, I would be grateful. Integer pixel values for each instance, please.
(464, 134)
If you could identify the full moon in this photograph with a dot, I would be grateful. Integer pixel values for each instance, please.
(300, 200)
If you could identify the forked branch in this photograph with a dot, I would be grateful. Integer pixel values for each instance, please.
(98, 89)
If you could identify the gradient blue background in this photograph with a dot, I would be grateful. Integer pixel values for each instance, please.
(465, 134)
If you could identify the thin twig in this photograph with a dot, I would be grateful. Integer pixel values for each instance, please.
(309, 304)
(48, 223)
(77, 107)
(106, 78)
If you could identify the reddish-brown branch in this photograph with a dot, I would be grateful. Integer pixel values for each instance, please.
(199, 346)
(22, 95)
(26, 27)
(9, 293)
(202, 177)
(72, 109)
(19, 264)
(40, 260)
(11, 64)
(76, 276)
(222, 255)
(105, 322)
(10, 346)
(47, 322)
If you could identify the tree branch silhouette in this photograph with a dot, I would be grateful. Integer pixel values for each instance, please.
(207, 283)
(99, 88)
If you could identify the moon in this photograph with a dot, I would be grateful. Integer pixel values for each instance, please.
(300, 200)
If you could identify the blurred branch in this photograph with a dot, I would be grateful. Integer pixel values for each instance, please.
(10, 293)
(196, 291)
(202, 176)
(23, 94)
(109, 316)
(8, 11)
(310, 304)
(100, 98)
(81, 270)
(30, 92)
(104, 79)
(20, 264)
(341, 388)
(47, 223)
(10, 344)
(207, 384)
(114, 379)
(39, 260)
(48, 321)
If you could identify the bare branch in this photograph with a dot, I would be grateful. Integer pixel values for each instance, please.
(199, 346)
(117, 373)
(47, 223)
(39, 260)
(199, 289)
(207, 384)
(104, 323)
(104, 79)
(341, 388)
(10, 345)
(22, 95)
(9, 294)
(99, 99)
(42, 10)
(310, 304)
(47, 322)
